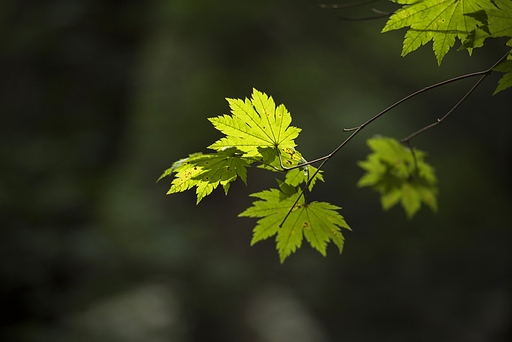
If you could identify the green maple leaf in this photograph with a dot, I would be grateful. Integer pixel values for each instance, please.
(392, 171)
(441, 21)
(255, 124)
(318, 222)
(506, 80)
(494, 22)
(207, 171)
(500, 19)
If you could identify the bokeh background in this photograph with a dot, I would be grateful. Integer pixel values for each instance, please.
(99, 97)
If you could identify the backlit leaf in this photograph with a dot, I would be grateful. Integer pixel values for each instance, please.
(207, 171)
(497, 22)
(506, 80)
(441, 21)
(255, 124)
(318, 222)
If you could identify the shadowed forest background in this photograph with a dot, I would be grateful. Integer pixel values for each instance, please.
(98, 98)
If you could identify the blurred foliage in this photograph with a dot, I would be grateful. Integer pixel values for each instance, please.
(98, 97)
(399, 175)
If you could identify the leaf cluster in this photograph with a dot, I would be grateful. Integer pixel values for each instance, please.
(444, 21)
(399, 175)
(257, 131)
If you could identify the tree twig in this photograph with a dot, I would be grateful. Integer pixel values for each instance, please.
(384, 15)
(357, 129)
(380, 15)
(484, 74)
(349, 5)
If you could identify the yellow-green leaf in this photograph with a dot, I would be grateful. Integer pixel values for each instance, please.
(318, 222)
(207, 171)
(441, 21)
(255, 124)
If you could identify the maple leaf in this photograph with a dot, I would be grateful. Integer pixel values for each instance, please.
(318, 222)
(207, 171)
(392, 171)
(255, 124)
(500, 20)
(441, 21)
(494, 22)
(506, 80)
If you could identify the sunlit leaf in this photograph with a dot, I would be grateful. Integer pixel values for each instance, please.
(441, 21)
(318, 222)
(497, 22)
(255, 124)
(506, 80)
(207, 171)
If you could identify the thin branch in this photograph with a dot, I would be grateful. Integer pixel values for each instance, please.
(357, 129)
(384, 15)
(325, 159)
(459, 78)
(374, 10)
(357, 4)
(280, 160)
(407, 139)
(484, 75)
(349, 5)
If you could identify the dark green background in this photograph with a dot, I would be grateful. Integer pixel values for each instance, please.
(99, 97)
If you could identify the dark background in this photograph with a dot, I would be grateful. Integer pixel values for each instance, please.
(99, 97)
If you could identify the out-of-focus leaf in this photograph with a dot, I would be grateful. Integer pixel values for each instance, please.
(392, 171)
